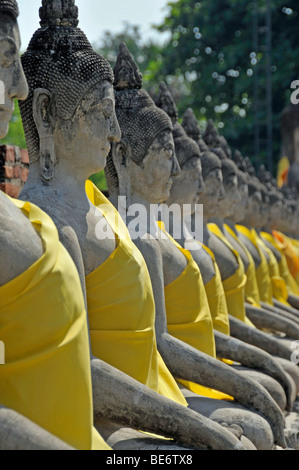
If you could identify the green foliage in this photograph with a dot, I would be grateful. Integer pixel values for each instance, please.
(211, 47)
(99, 180)
(15, 134)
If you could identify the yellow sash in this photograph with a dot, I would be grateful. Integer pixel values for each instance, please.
(121, 309)
(295, 244)
(189, 317)
(285, 243)
(234, 287)
(283, 265)
(279, 288)
(251, 289)
(216, 298)
(43, 326)
(262, 272)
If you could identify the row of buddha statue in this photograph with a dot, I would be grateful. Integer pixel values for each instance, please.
(159, 342)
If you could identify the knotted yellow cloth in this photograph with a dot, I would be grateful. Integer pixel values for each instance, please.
(262, 271)
(295, 244)
(251, 289)
(283, 265)
(279, 287)
(188, 316)
(216, 298)
(234, 286)
(43, 325)
(121, 309)
(285, 243)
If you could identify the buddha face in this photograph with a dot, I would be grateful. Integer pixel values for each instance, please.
(253, 209)
(83, 142)
(214, 193)
(189, 186)
(12, 76)
(238, 214)
(153, 179)
(232, 196)
(275, 213)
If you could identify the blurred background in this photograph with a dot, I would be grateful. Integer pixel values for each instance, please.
(232, 61)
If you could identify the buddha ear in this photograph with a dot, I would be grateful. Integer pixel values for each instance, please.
(122, 163)
(41, 112)
(42, 119)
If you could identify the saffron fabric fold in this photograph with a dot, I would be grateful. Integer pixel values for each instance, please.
(43, 325)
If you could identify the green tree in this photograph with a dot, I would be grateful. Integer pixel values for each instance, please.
(15, 134)
(211, 51)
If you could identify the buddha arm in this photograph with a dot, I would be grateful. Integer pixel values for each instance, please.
(119, 398)
(18, 433)
(264, 319)
(130, 403)
(273, 346)
(286, 308)
(255, 358)
(278, 309)
(294, 301)
(187, 363)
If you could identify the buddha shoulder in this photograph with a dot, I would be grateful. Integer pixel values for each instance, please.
(20, 244)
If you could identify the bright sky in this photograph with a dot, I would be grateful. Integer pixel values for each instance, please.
(97, 16)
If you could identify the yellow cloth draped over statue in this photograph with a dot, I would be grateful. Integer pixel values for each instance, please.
(43, 325)
(234, 286)
(262, 271)
(188, 316)
(291, 284)
(251, 289)
(121, 309)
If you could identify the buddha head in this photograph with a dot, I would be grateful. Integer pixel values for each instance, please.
(189, 186)
(214, 140)
(253, 208)
(232, 197)
(238, 214)
(69, 116)
(143, 163)
(211, 162)
(13, 84)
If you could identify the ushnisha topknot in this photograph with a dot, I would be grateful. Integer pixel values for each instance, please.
(214, 140)
(126, 72)
(166, 102)
(141, 121)
(10, 7)
(192, 129)
(59, 13)
(61, 60)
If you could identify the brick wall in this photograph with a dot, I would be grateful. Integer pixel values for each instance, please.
(14, 169)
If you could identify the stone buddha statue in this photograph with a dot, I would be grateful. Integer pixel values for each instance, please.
(183, 192)
(70, 108)
(142, 168)
(30, 395)
(212, 200)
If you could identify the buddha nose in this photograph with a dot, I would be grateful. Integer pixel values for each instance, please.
(176, 170)
(201, 187)
(19, 88)
(221, 192)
